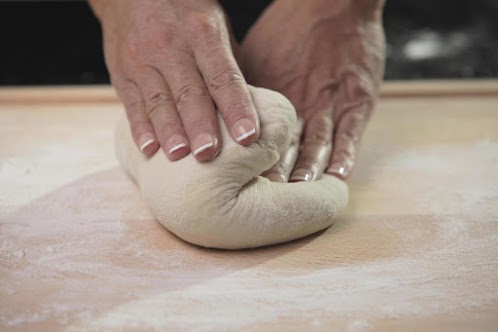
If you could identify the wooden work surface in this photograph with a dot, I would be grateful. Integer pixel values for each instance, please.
(416, 249)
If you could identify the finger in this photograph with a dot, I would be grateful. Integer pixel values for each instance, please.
(315, 148)
(346, 140)
(233, 40)
(227, 87)
(140, 125)
(195, 107)
(161, 110)
(281, 171)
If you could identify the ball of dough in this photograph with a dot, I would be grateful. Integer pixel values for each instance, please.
(225, 203)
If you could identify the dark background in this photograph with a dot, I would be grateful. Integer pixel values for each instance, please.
(59, 42)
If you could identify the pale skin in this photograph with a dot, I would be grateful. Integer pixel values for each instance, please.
(327, 58)
(174, 63)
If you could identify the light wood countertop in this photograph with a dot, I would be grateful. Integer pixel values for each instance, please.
(417, 248)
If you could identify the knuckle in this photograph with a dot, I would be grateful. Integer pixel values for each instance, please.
(157, 100)
(349, 135)
(161, 35)
(134, 50)
(134, 108)
(201, 23)
(166, 128)
(162, 41)
(319, 131)
(359, 88)
(195, 123)
(345, 149)
(352, 125)
(358, 84)
(223, 78)
(317, 139)
(160, 97)
(189, 91)
(237, 110)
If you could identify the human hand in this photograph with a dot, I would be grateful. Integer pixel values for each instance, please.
(172, 65)
(328, 59)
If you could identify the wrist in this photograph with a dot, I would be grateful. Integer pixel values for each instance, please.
(367, 9)
(99, 7)
(370, 9)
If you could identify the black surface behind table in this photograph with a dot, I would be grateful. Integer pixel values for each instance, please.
(59, 42)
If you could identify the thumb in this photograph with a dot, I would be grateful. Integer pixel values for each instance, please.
(278, 120)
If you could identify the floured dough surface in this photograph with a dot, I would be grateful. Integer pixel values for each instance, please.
(226, 203)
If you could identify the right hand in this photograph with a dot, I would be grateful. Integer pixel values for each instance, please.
(172, 65)
(327, 58)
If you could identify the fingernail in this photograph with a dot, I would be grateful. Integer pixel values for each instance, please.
(301, 175)
(177, 142)
(275, 177)
(337, 170)
(145, 140)
(202, 143)
(243, 129)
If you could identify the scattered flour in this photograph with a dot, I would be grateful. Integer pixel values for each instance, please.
(106, 276)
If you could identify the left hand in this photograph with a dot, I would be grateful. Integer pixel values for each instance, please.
(327, 58)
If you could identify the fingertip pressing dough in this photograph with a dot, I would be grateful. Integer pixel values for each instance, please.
(225, 203)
